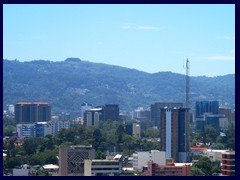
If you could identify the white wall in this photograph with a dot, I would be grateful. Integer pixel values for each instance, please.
(168, 134)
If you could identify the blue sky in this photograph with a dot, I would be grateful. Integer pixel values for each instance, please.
(150, 38)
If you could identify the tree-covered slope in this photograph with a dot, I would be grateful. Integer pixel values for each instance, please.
(66, 84)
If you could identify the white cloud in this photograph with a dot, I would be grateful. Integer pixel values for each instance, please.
(147, 27)
(139, 27)
(228, 37)
(220, 58)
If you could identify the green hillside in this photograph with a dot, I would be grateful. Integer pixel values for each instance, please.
(67, 84)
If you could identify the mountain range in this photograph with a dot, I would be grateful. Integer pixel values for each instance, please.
(69, 83)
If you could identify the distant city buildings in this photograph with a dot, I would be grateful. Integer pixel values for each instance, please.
(133, 128)
(84, 107)
(210, 107)
(29, 112)
(143, 116)
(209, 113)
(93, 116)
(111, 112)
(101, 113)
(41, 129)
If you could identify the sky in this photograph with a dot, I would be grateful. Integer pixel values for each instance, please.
(150, 38)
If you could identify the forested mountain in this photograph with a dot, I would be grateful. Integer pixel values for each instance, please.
(67, 84)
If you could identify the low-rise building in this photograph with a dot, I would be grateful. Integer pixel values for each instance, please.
(214, 154)
(141, 158)
(228, 163)
(102, 167)
(155, 169)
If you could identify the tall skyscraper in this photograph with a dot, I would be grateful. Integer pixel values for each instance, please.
(156, 109)
(174, 133)
(32, 112)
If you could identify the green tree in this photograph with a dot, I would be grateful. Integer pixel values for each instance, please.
(128, 143)
(205, 165)
(97, 139)
(31, 144)
(196, 171)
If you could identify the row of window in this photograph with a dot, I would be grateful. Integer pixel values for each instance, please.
(105, 168)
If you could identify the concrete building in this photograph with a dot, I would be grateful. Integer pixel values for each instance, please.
(214, 154)
(11, 109)
(26, 130)
(228, 163)
(156, 109)
(21, 172)
(141, 114)
(155, 169)
(174, 134)
(227, 112)
(103, 167)
(213, 119)
(52, 169)
(84, 107)
(71, 159)
(223, 123)
(141, 158)
(93, 116)
(134, 129)
(29, 112)
(41, 129)
(199, 124)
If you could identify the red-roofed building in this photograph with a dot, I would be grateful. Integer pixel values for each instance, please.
(167, 170)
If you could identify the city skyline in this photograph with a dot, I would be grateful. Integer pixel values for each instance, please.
(150, 38)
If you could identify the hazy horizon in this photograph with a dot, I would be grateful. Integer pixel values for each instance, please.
(149, 38)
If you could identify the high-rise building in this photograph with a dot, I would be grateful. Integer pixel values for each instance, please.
(111, 112)
(32, 112)
(203, 107)
(84, 107)
(174, 133)
(71, 159)
(156, 109)
(93, 116)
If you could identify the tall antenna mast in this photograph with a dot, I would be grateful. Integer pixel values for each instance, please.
(187, 82)
(187, 130)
